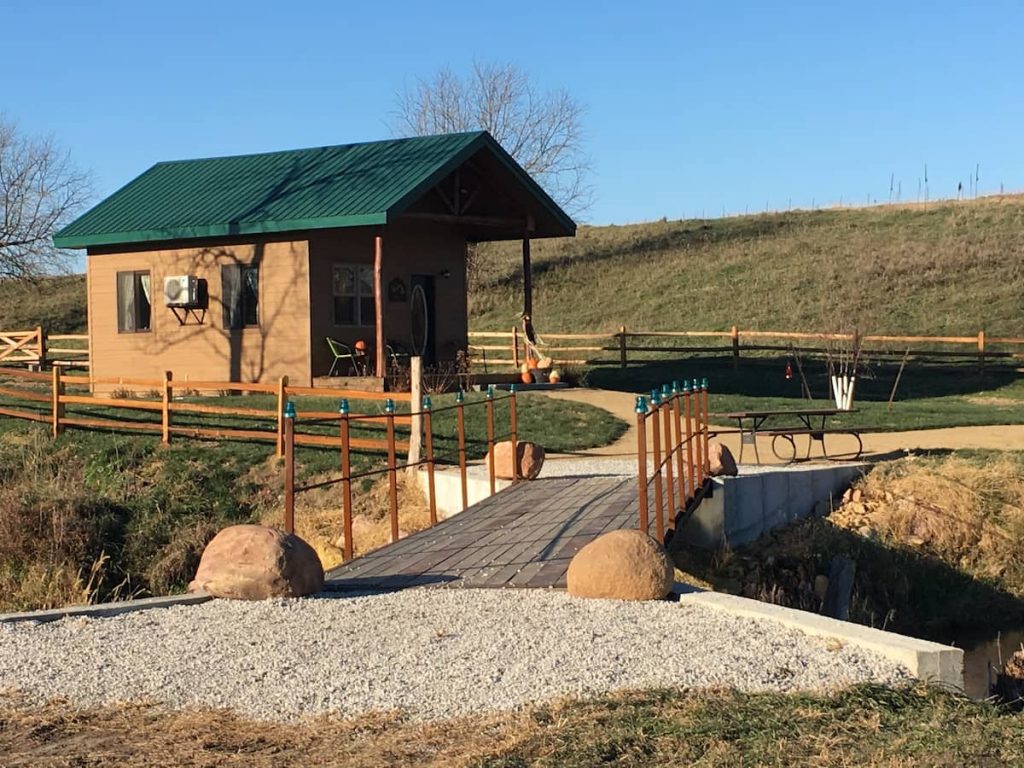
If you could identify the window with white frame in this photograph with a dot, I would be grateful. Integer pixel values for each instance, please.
(353, 294)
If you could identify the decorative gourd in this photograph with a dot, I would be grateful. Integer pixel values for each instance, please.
(524, 368)
(554, 377)
(531, 363)
(527, 377)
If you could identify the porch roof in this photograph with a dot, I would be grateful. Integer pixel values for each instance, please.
(350, 185)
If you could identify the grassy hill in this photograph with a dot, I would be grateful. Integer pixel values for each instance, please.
(940, 268)
(56, 303)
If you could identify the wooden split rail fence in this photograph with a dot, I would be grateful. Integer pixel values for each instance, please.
(623, 347)
(428, 460)
(676, 420)
(62, 400)
(38, 349)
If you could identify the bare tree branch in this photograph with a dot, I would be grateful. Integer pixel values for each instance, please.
(40, 191)
(542, 131)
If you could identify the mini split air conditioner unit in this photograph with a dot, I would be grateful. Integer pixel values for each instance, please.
(181, 291)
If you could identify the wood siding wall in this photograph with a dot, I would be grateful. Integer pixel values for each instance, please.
(279, 346)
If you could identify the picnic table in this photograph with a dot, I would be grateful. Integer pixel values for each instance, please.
(810, 421)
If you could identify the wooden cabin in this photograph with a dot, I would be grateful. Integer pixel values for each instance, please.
(240, 268)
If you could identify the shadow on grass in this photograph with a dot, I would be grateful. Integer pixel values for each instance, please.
(765, 378)
(898, 588)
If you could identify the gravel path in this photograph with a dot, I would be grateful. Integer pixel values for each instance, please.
(434, 653)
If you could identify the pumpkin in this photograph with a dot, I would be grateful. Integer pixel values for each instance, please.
(554, 377)
(531, 362)
(360, 346)
(527, 377)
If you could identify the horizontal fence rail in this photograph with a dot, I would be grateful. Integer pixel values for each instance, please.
(510, 348)
(38, 349)
(674, 422)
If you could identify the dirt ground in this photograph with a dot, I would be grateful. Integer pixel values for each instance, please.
(876, 445)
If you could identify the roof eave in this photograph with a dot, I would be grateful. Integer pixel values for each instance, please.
(219, 230)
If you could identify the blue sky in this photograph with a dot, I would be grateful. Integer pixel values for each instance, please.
(693, 108)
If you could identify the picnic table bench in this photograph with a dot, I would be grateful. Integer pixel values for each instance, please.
(812, 422)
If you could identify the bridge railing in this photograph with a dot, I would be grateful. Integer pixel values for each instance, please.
(672, 452)
(428, 432)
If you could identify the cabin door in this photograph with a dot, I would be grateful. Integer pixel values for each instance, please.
(421, 306)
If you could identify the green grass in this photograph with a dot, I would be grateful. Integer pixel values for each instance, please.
(926, 398)
(944, 268)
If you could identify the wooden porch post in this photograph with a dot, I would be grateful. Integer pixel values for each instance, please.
(378, 302)
(527, 278)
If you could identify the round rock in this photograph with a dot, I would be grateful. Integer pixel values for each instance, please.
(253, 562)
(621, 565)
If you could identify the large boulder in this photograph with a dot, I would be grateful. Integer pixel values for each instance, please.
(721, 461)
(621, 565)
(531, 459)
(253, 562)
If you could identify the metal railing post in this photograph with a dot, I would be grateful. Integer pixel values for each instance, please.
(490, 436)
(680, 462)
(289, 467)
(691, 476)
(707, 436)
(659, 519)
(670, 490)
(346, 481)
(641, 452)
(389, 410)
(428, 427)
(460, 420)
(513, 426)
(699, 439)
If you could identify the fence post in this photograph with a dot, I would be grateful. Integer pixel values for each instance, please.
(282, 385)
(41, 337)
(460, 421)
(515, 347)
(416, 423)
(490, 436)
(641, 453)
(670, 491)
(389, 410)
(289, 467)
(429, 427)
(165, 413)
(622, 346)
(659, 520)
(346, 482)
(981, 350)
(57, 391)
(513, 429)
(735, 347)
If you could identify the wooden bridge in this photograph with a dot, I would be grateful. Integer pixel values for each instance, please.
(524, 536)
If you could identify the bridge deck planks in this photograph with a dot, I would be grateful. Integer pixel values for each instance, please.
(524, 536)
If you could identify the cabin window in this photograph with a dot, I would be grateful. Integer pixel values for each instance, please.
(353, 295)
(240, 292)
(134, 308)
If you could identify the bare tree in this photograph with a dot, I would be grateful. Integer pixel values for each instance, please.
(543, 131)
(40, 191)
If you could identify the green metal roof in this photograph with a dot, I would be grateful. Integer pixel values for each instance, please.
(344, 186)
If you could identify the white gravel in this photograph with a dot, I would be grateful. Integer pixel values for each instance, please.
(434, 653)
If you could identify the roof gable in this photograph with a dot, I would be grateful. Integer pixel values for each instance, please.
(340, 186)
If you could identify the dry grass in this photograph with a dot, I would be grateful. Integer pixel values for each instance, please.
(867, 726)
(886, 268)
(319, 516)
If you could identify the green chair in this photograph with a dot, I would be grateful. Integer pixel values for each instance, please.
(343, 352)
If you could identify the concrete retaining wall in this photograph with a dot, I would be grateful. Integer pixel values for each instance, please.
(742, 509)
